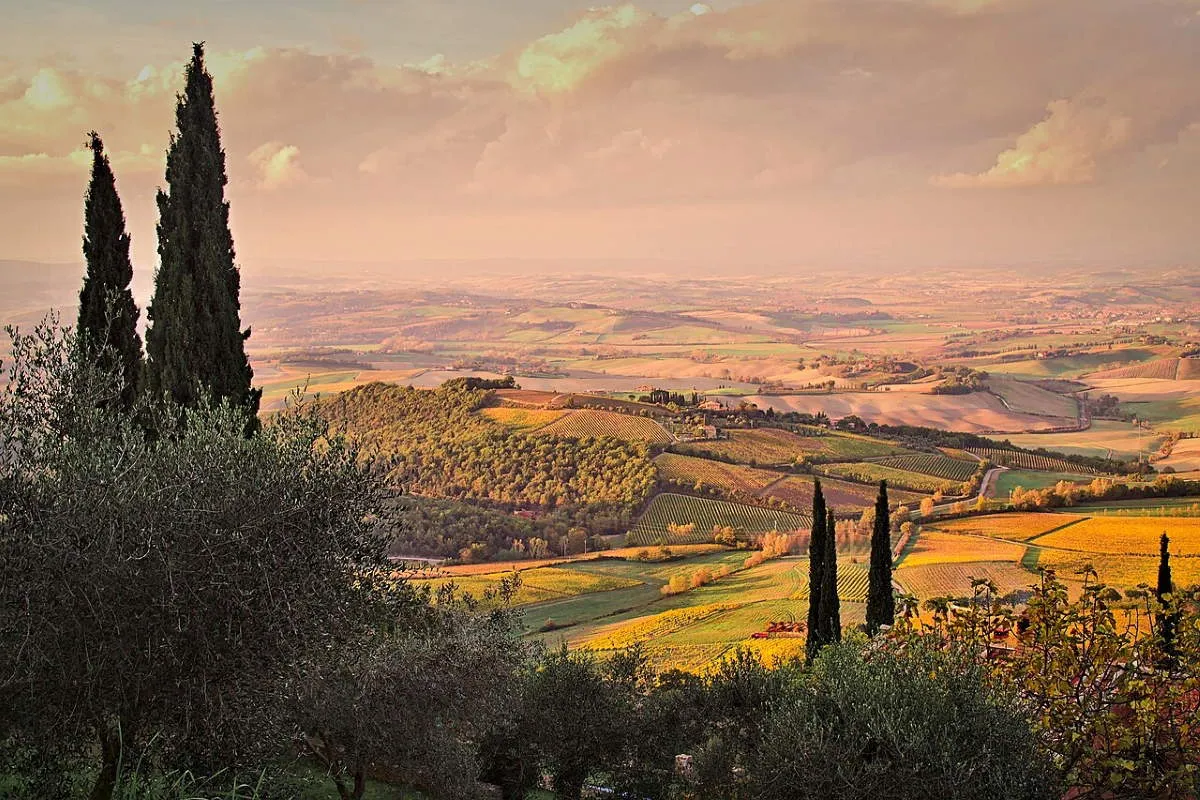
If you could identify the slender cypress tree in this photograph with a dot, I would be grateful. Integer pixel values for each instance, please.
(107, 314)
(816, 572)
(195, 342)
(1168, 618)
(831, 608)
(881, 604)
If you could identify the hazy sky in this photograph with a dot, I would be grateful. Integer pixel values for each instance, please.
(776, 132)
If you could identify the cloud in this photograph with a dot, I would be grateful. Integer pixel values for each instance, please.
(1060, 150)
(278, 165)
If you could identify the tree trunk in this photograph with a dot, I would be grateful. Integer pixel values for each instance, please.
(110, 754)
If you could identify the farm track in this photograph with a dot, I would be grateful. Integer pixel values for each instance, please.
(1057, 529)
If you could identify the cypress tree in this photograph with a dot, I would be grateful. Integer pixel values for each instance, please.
(107, 314)
(816, 572)
(831, 608)
(881, 604)
(195, 342)
(1168, 620)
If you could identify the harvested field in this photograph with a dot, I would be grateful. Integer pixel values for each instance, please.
(1128, 536)
(932, 547)
(871, 472)
(706, 472)
(1105, 438)
(1027, 398)
(954, 580)
(528, 397)
(950, 469)
(521, 419)
(1166, 369)
(970, 413)
(595, 424)
(680, 509)
(1185, 456)
(1017, 527)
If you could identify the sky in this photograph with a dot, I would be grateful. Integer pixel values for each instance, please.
(781, 134)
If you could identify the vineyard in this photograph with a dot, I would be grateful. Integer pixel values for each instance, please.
(521, 419)
(595, 424)
(954, 580)
(677, 509)
(774, 446)
(938, 466)
(853, 580)
(1117, 570)
(870, 472)
(537, 585)
(1030, 461)
(797, 491)
(1127, 536)
(706, 472)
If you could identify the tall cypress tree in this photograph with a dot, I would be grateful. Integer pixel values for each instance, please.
(881, 604)
(195, 341)
(816, 572)
(1168, 618)
(831, 607)
(107, 314)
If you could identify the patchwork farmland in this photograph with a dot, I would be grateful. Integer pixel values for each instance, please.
(677, 509)
(595, 424)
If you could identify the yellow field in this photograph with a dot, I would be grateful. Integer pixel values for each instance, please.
(522, 419)
(1120, 571)
(492, 567)
(537, 585)
(1128, 535)
(932, 547)
(620, 635)
(1015, 527)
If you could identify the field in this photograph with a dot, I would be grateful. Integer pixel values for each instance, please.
(705, 471)
(1018, 527)
(1119, 570)
(871, 472)
(680, 509)
(954, 580)
(932, 547)
(970, 413)
(1008, 480)
(1132, 536)
(1030, 461)
(951, 469)
(1185, 456)
(775, 446)
(797, 491)
(521, 419)
(1166, 369)
(584, 424)
(537, 585)
(1105, 439)
(1027, 398)
(1153, 507)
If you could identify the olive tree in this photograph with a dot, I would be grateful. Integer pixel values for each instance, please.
(156, 589)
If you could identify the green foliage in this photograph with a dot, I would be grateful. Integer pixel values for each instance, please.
(107, 314)
(816, 571)
(881, 604)
(433, 444)
(194, 343)
(904, 724)
(154, 591)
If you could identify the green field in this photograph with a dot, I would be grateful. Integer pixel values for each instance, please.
(681, 509)
(1153, 507)
(777, 446)
(1028, 479)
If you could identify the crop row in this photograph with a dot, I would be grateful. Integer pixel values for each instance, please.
(677, 509)
(951, 469)
(1033, 461)
(706, 472)
(595, 424)
(870, 472)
